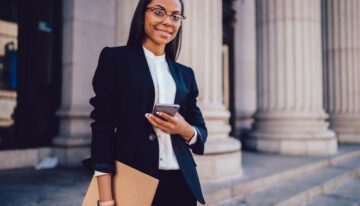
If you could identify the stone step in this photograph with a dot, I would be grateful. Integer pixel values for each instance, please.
(218, 193)
(304, 188)
(345, 195)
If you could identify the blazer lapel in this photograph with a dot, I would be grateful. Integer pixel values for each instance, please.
(146, 80)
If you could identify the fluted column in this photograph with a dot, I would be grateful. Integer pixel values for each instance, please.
(88, 26)
(290, 118)
(202, 50)
(245, 65)
(125, 12)
(342, 67)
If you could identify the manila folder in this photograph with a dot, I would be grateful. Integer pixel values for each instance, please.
(130, 188)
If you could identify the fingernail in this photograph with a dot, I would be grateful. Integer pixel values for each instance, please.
(158, 113)
(146, 115)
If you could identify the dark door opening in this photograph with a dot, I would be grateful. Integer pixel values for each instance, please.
(228, 39)
(38, 71)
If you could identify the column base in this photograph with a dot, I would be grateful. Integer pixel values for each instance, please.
(243, 126)
(321, 143)
(222, 159)
(71, 150)
(347, 128)
(219, 167)
(73, 143)
(348, 137)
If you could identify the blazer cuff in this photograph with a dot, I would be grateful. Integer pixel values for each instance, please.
(194, 138)
(101, 167)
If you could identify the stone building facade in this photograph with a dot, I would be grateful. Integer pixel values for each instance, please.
(296, 75)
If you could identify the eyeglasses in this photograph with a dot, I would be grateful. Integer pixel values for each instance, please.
(161, 14)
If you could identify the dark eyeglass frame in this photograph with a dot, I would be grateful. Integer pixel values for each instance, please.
(181, 17)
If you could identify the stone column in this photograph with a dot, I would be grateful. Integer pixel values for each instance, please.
(202, 50)
(88, 26)
(290, 118)
(125, 12)
(342, 67)
(245, 65)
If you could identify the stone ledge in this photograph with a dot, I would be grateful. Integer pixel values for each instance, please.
(294, 146)
(21, 158)
(296, 192)
(265, 170)
(348, 194)
(321, 188)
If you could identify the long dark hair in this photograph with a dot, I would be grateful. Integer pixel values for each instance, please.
(137, 31)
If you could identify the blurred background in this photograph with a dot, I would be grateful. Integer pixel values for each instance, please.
(279, 88)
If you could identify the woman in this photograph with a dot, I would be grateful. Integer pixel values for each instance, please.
(128, 82)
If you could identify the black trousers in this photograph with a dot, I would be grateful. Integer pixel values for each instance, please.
(173, 190)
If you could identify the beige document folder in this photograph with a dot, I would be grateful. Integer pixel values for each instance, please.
(130, 188)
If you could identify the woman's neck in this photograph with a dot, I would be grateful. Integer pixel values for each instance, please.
(157, 50)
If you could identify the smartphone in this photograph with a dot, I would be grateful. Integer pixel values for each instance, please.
(170, 109)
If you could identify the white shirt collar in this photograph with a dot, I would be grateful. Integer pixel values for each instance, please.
(153, 57)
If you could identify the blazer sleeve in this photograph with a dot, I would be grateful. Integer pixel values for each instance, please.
(103, 115)
(195, 118)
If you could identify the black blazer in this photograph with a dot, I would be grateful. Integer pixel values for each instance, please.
(124, 92)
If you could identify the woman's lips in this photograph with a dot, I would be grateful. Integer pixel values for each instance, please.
(163, 33)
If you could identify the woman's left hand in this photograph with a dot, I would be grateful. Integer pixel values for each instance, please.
(172, 124)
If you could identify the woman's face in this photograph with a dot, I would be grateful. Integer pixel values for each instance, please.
(160, 28)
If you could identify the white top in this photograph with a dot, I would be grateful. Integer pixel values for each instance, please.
(165, 90)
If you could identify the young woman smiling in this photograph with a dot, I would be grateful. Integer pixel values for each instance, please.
(127, 83)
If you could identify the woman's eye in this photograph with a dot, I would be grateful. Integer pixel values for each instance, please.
(159, 12)
(176, 17)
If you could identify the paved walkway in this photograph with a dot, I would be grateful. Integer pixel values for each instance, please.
(52, 187)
